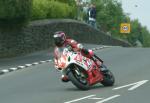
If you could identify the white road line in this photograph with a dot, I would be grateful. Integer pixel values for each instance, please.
(42, 61)
(21, 67)
(5, 70)
(13, 69)
(95, 98)
(139, 84)
(28, 65)
(107, 99)
(80, 99)
(35, 63)
(134, 85)
(48, 60)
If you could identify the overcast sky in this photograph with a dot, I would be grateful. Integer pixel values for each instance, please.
(139, 9)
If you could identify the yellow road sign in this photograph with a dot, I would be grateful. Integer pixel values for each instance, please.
(125, 28)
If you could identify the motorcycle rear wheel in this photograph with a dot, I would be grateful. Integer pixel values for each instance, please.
(109, 78)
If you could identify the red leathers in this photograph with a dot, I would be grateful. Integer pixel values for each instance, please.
(75, 47)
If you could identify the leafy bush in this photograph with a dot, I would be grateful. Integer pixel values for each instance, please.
(40, 9)
(69, 2)
(14, 10)
(58, 10)
(43, 9)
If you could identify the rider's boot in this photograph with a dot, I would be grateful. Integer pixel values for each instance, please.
(99, 64)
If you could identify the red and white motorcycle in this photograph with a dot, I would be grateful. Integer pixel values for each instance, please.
(82, 71)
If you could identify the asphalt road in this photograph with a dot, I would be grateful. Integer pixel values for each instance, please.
(41, 84)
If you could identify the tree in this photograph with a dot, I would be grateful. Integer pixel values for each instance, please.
(109, 15)
(14, 10)
(146, 37)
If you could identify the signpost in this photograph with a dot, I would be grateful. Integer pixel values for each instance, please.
(125, 28)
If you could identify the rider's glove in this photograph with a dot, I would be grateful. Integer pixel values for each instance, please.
(85, 51)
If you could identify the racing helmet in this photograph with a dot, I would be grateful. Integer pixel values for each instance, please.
(59, 38)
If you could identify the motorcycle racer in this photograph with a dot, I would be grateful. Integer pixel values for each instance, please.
(60, 40)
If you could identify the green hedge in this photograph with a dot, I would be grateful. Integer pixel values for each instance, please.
(14, 10)
(43, 9)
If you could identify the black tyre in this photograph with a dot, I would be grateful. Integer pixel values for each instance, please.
(78, 78)
(109, 78)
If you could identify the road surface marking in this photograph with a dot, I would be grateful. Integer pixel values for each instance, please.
(134, 85)
(80, 99)
(95, 98)
(28, 65)
(42, 61)
(48, 60)
(107, 99)
(35, 63)
(5, 70)
(21, 67)
(13, 69)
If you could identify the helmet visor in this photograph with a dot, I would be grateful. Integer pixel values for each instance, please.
(58, 41)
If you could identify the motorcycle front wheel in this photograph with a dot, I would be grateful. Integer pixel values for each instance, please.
(78, 78)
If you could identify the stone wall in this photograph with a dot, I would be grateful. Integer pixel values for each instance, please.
(37, 35)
